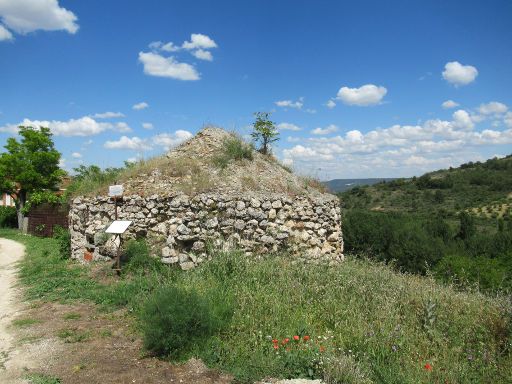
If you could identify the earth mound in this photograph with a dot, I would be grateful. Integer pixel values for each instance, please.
(197, 166)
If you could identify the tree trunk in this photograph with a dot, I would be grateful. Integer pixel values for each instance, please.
(21, 200)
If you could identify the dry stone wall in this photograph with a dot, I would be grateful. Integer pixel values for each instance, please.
(179, 227)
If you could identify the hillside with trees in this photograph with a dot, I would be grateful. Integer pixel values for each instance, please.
(456, 223)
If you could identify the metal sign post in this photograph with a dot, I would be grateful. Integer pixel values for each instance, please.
(117, 228)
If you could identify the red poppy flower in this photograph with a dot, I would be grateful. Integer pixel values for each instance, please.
(306, 338)
(276, 346)
(296, 338)
(275, 341)
(428, 367)
(286, 340)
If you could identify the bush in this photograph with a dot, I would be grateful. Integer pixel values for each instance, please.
(175, 320)
(63, 238)
(233, 149)
(137, 258)
(8, 217)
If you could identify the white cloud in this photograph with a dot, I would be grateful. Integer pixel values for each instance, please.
(5, 34)
(156, 65)
(169, 47)
(449, 104)
(83, 126)
(134, 143)
(310, 110)
(462, 119)
(325, 131)
(140, 106)
(62, 163)
(198, 40)
(330, 104)
(147, 125)
(288, 127)
(24, 16)
(76, 155)
(457, 74)
(107, 115)
(366, 95)
(492, 108)
(290, 104)
(508, 119)
(170, 140)
(203, 55)
(122, 127)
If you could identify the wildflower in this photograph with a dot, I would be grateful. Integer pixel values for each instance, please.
(306, 338)
(275, 341)
(286, 340)
(276, 346)
(296, 338)
(428, 367)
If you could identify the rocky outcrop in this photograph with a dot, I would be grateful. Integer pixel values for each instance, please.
(180, 227)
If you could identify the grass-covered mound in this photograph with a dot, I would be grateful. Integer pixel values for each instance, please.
(359, 322)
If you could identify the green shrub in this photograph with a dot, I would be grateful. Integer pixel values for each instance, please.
(63, 238)
(138, 260)
(233, 149)
(8, 217)
(175, 320)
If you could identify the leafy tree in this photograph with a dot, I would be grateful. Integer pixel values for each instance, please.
(28, 166)
(264, 131)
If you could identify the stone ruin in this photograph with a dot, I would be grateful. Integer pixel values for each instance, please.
(184, 201)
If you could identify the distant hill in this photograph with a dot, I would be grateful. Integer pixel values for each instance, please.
(481, 188)
(341, 185)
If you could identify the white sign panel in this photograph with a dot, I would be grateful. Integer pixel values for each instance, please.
(115, 190)
(118, 226)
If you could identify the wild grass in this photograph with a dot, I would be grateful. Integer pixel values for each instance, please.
(41, 378)
(366, 323)
(233, 149)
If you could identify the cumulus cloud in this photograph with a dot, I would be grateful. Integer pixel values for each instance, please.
(508, 119)
(450, 104)
(24, 16)
(147, 125)
(125, 142)
(412, 149)
(203, 55)
(462, 119)
(288, 127)
(457, 74)
(199, 41)
(170, 140)
(76, 155)
(157, 65)
(122, 127)
(140, 106)
(83, 126)
(325, 131)
(492, 108)
(107, 115)
(290, 104)
(5, 34)
(330, 104)
(363, 96)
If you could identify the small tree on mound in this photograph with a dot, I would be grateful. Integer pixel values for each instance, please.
(264, 131)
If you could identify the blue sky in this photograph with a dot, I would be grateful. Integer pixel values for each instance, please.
(357, 89)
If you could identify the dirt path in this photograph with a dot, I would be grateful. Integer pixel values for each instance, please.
(10, 253)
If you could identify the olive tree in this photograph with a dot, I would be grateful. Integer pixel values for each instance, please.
(29, 165)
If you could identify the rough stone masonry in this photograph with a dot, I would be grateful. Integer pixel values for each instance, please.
(184, 201)
(308, 227)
